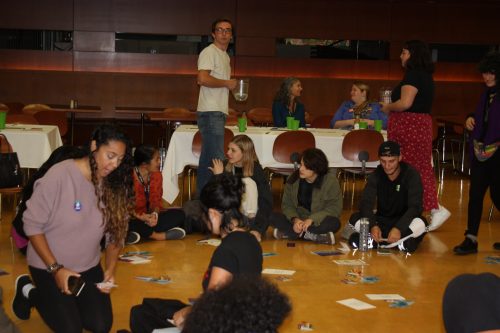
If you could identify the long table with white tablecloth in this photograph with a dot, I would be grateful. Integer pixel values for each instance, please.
(179, 152)
(32, 143)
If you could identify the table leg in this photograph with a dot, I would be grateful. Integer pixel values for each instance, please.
(142, 127)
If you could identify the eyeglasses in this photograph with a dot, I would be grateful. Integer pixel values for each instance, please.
(224, 31)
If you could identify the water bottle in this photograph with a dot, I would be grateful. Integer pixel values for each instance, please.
(364, 233)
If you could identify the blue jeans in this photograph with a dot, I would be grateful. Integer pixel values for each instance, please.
(211, 126)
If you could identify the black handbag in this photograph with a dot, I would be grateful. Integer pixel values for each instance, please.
(10, 169)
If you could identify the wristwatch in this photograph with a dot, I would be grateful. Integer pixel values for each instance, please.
(53, 268)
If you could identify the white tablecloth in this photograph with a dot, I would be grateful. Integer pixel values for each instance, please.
(179, 152)
(32, 143)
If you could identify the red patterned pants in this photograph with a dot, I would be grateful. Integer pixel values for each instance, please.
(413, 132)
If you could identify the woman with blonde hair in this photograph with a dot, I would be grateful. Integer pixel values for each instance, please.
(359, 104)
(257, 199)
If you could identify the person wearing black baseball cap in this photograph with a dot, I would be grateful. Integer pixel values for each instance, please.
(396, 189)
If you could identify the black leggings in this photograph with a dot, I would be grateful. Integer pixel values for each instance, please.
(281, 222)
(482, 175)
(91, 310)
(167, 220)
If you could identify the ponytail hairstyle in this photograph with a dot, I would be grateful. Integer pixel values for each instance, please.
(223, 193)
(115, 192)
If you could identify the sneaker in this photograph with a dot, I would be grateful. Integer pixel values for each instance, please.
(328, 238)
(438, 217)
(409, 245)
(21, 306)
(347, 231)
(468, 246)
(132, 238)
(175, 233)
(278, 234)
(496, 246)
(354, 241)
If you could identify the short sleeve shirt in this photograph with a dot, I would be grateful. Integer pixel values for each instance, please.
(239, 253)
(217, 62)
(424, 82)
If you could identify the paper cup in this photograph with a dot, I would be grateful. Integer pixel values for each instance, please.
(377, 124)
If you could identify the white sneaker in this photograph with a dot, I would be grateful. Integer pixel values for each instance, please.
(438, 217)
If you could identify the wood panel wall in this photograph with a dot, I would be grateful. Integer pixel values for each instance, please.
(94, 74)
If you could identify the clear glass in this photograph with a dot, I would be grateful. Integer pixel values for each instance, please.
(385, 95)
(240, 93)
(364, 234)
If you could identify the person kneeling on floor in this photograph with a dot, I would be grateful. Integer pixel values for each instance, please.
(396, 189)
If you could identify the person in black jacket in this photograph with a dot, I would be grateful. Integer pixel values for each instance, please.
(257, 201)
(396, 189)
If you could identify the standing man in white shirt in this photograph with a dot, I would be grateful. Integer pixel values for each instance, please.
(214, 78)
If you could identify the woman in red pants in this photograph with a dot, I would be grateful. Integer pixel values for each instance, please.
(410, 122)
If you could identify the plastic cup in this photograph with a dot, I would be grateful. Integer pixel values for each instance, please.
(363, 125)
(242, 124)
(295, 124)
(377, 124)
(3, 115)
(289, 122)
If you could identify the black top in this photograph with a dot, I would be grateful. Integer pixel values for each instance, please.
(424, 82)
(304, 196)
(398, 202)
(238, 253)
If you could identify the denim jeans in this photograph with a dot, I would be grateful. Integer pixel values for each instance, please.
(211, 126)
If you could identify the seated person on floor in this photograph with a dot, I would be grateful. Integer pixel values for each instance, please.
(396, 190)
(58, 155)
(150, 221)
(312, 202)
(257, 201)
(226, 309)
(238, 254)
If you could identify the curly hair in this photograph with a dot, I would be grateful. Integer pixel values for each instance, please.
(249, 156)
(420, 56)
(223, 192)
(283, 94)
(243, 305)
(490, 64)
(115, 192)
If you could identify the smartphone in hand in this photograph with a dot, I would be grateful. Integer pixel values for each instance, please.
(75, 285)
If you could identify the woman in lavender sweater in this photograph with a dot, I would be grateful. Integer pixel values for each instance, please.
(75, 205)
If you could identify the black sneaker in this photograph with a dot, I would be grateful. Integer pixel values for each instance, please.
(468, 246)
(496, 246)
(175, 233)
(354, 241)
(21, 306)
(409, 245)
(132, 238)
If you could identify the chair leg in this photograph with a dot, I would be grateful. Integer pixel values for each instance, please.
(190, 171)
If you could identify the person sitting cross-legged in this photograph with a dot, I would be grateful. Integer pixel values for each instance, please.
(312, 202)
(396, 190)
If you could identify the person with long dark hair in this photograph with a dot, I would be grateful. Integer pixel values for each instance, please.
(73, 206)
(410, 122)
(484, 155)
(239, 254)
(150, 220)
(287, 103)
